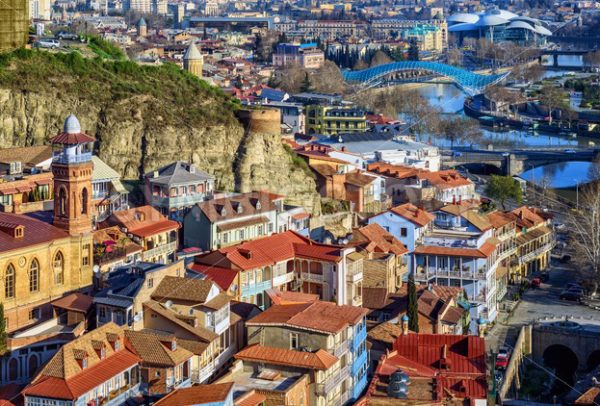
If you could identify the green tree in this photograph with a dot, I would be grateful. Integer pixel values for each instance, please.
(306, 85)
(413, 306)
(413, 51)
(502, 188)
(3, 335)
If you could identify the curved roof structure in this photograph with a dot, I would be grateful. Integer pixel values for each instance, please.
(462, 22)
(471, 83)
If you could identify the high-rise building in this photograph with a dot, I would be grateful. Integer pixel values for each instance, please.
(14, 24)
(39, 9)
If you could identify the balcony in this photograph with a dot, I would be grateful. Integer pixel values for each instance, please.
(342, 400)
(340, 349)
(63, 158)
(355, 274)
(162, 249)
(314, 277)
(178, 201)
(199, 376)
(120, 396)
(537, 252)
(256, 288)
(322, 389)
(358, 339)
(283, 279)
(359, 363)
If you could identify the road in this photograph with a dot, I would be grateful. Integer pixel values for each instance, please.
(537, 303)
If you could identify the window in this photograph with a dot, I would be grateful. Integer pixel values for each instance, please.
(84, 201)
(102, 312)
(260, 230)
(403, 232)
(270, 227)
(62, 201)
(225, 238)
(34, 276)
(150, 283)
(85, 260)
(294, 341)
(9, 282)
(59, 268)
(241, 234)
(34, 314)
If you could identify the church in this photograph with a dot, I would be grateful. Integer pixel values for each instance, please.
(44, 256)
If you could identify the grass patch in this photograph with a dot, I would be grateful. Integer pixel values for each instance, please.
(298, 162)
(178, 97)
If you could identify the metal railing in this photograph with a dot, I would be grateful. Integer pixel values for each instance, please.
(334, 380)
(538, 251)
(72, 159)
(160, 250)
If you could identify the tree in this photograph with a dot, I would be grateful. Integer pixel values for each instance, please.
(413, 51)
(380, 58)
(455, 57)
(592, 58)
(551, 97)
(3, 335)
(584, 227)
(330, 79)
(413, 305)
(306, 85)
(502, 188)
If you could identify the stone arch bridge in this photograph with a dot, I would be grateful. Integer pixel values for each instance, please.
(515, 162)
(580, 336)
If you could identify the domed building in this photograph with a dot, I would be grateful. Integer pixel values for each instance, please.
(497, 25)
(193, 61)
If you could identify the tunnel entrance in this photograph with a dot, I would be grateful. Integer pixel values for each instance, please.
(564, 362)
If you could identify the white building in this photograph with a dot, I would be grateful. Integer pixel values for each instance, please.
(39, 9)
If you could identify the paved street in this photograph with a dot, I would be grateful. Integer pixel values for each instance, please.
(537, 303)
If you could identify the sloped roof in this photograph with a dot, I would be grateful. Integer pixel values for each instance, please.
(200, 332)
(382, 240)
(35, 232)
(318, 316)
(192, 53)
(178, 172)
(486, 249)
(151, 348)
(197, 395)
(186, 289)
(223, 277)
(413, 214)
(102, 171)
(252, 203)
(77, 302)
(319, 360)
(143, 221)
(29, 156)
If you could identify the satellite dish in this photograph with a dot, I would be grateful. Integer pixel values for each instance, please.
(168, 304)
(137, 317)
(96, 268)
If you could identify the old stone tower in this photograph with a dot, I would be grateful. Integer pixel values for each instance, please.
(193, 60)
(142, 28)
(72, 169)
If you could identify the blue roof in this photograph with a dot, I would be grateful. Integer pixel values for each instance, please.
(273, 94)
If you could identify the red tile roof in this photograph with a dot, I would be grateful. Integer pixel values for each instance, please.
(71, 139)
(527, 217)
(201, 394)
(270, 250)
(251, 398)
(413, 214)
(35, 232)
(318, 316)
(223, 277)
(143, 221)
(320, 360)
(279, 297)
(88, 379)
(382, 241)
(77, 302)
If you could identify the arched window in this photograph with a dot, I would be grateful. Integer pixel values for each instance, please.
(62, 202)
(33, 365)
(34, 276)
(13, 369)
(59, 268)
(84, 201)
(9, 282)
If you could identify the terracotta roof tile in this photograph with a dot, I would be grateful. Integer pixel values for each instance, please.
(29, 156)
(320, 360)
(71, 139)
(499, 219)
(184, 289)
(223, 277)
(197, 395)
(153, 351)
(251, 398)
(77, 302)
(318, 316)
(288, 297)
(381, 240)
(486, 250)
(143, 221)
(35, 232)
(218, 210)
(413, 214)
(200, 332)
(527, 218)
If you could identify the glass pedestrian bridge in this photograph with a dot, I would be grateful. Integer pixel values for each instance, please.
(470, 82)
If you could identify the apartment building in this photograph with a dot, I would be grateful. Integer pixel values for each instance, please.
(314, 328)
(286, 261)
(97, 367)
(535, 240)
(175, 188)
(147, 227)
(428, 37)
(307, 56)
(232, 219)
(328, 29)
(332, 120)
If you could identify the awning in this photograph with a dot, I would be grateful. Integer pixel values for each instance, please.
(8, 191)
(24, 189)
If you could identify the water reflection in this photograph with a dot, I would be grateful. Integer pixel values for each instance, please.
(563, 174)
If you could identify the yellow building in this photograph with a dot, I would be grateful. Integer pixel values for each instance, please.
(334, 120)
(40, 262)
(535, 241)
(428, 37)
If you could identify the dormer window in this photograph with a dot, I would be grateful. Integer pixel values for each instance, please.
(257, 205)
(84, 363)
(239, 208)
(173, 345)
(223, 212)
(117, 345)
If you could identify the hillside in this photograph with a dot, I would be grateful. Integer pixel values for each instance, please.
(143, 117)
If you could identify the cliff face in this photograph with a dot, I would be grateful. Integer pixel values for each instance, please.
(139, 129)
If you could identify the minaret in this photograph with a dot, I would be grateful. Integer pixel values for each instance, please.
(142, 28)
(72, 169)
(193, 60)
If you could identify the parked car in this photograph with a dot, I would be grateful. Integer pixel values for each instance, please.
(502, 359)
(573, 285)
(573, 295)
(48, 43)
(66, 35)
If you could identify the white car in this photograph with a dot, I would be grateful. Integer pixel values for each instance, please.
(48, 43)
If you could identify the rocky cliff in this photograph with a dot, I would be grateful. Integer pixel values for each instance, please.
(144, 117)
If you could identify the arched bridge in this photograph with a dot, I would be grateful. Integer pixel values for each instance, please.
(472, 83)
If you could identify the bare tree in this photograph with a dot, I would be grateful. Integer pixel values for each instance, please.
(584, 226)
(592, 58)
(455, 57)
(380, 58)
(552, 97)
(328, 79)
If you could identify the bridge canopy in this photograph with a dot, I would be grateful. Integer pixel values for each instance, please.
(472, 83)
